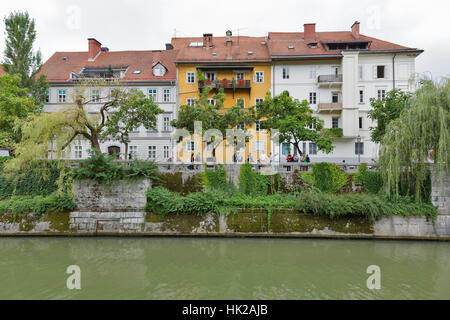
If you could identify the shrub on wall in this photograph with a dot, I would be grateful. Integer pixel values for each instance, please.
(371, 181)
(252, 182)
(328, 177)
(216, 179)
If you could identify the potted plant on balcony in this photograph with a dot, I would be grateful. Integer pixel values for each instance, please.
(233, 83)
(217, 83)
(225, 83)
(208, 82)
(241, 83)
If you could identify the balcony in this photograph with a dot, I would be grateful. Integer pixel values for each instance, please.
(329, 80)
(225, 84)
(329, 107)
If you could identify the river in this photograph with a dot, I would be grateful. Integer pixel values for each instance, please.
(215, 268)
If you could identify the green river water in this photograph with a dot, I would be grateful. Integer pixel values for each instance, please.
(214, 268)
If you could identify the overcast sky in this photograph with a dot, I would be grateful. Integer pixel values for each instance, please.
(142, 25)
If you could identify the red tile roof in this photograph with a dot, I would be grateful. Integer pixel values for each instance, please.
(60, 65)
(279, 43)
(240, 48)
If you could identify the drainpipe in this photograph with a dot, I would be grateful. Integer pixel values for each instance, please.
(393, 70)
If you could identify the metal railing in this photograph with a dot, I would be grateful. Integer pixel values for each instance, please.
(330, 78)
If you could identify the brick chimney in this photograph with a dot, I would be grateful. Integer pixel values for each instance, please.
(94, 48)
(229, 44)
(207, 40)
(309, 31)
(355, 30)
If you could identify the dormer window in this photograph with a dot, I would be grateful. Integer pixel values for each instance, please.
(312, 45)
(159, 70)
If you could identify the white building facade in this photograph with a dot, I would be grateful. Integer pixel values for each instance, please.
(338, 73)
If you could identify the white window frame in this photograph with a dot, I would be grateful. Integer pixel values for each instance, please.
(153, 94)
(95, 96)
(212, 101)
(62, 94)
(260, 146)
(381, 94)
(258, 126)
(259, 77)
(190, 77)
(238, 73)
(313, 98)
(243, 99)
(191, 146)
(361, 72)
(166, 152)
(335, 94)
(151, 152)
(78, 151)
(259, 100)
(312, 148)
(190, 101)
(361, 95)
(335, 120)
(167, 95)
(208, 74)
(359, 148)
(285, 73)
(166, 124)
(134, 151)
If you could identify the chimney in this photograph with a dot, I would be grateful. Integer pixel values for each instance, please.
(229, 34)
(94, 48)
(355, 30)
(169, 46)
(309, 31)
(207, 40)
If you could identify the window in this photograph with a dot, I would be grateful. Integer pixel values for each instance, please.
(380, 72)
(210, 76)
(78, 152)
(335, 122)
(240, 75)
(159, 70)
(190, 146)
(152, 152)
(152, 94)
(240, 126)
(133, 151)
(361, 96)
(259, 146)
(312, 98)
(259, 101)
(334, 97)
(61, 95)
(190, 77)
(360, 122)
(312, 148)
(259, 76)
(166, 152)
(47, 97)
(166, 124)
(381, 94)
(166, 95)
(359, 147)
(361, 72)
(258, 126)
(285, 73)
(240, 102)
(190, 101)
(95, 95)
(212, 101)
(304, 147)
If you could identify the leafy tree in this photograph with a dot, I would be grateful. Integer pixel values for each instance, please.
(19, 57)
(294, 120)
(212, 116)
(384, 111)
(53, 132)
(134, 110)
(421, 132)
(15, 105)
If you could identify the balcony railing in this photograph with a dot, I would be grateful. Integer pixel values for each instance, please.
(226, 84)
(329, 107)
(330, 78)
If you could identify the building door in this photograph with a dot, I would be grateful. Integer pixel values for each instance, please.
(114, 151)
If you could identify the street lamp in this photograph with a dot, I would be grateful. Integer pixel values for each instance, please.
(359, 148)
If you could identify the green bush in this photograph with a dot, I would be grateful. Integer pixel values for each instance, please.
(104, 168)
(40, 179)
(216, 179)
(358, 204)
(328, 177)
(371, 181)
(252, 182)
(163, 201)
(37, 205)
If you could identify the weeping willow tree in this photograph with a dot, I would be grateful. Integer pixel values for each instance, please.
(418, 137)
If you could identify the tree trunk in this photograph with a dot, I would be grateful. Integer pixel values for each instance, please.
(94, 142)
(126, 150)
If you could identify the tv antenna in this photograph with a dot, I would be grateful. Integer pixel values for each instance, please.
(237, 30)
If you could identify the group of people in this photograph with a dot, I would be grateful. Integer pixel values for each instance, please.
(304, 158)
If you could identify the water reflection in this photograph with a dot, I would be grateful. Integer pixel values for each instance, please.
(189, 268)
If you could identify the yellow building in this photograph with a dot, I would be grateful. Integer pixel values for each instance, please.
(239, 65)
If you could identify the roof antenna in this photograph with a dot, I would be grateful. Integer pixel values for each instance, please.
(175, 32)
(237, 30)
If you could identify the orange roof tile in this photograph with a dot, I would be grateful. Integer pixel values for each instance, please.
(220, 51)
(60, 65)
